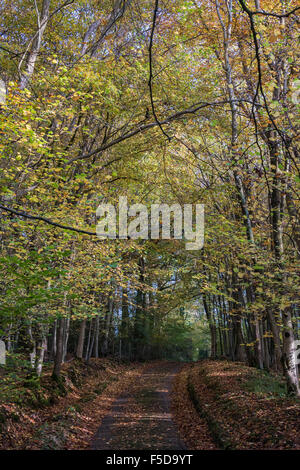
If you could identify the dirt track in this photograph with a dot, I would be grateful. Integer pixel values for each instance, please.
(142, 419)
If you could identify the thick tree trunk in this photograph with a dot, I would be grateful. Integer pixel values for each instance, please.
(276, 339)
(239, 350)
(81, 338)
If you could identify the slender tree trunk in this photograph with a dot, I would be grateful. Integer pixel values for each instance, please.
(107, 326)
(96, 343)
(288, 357)
(41, 349)
(88, 342)
(294, 219)
(212, 327)
(32, 55)
(59, 348)
(54, 336)
(125, 322)
(32, 354)
(66, 337)
(91, 347)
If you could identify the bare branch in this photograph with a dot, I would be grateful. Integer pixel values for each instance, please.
(44, 219)
(151, 70)
(192, 110)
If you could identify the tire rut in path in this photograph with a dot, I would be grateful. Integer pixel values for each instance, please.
(141, 418)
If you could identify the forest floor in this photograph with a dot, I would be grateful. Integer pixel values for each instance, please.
(50, 416)
(241, 407)
(156, 405)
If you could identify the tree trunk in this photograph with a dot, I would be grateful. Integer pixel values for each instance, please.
(290, 368)
(80, 344)
(66, 338)
(96, 343)
(212, 328)
(59, 349)
(36, 44)
(107, 326)
(41, 348)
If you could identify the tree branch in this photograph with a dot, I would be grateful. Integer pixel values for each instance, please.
(151, 71)
(44, 219)
(192, 110)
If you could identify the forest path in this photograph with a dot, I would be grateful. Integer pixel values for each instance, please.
(142, 419)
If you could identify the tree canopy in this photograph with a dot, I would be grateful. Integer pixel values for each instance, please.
(175, 102)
